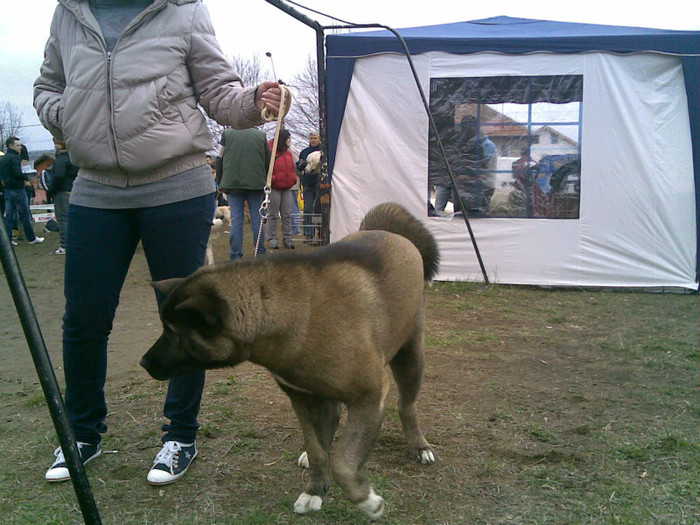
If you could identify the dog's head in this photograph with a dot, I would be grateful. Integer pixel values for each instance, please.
(197, 330)
(312, 161)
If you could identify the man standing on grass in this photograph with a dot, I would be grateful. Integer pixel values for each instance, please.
(15, 194)
(244, 166)
(309, 181)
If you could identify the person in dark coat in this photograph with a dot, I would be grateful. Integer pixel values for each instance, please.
(64, 173)
(15, 194)
(309, 181)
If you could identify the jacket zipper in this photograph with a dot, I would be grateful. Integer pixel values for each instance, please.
(110, 105)
(112, 137)
(110, 94)
(115, 142)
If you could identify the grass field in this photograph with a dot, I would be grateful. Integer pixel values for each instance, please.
(544, 407)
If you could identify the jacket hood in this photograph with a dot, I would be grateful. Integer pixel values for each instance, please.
(78, 7)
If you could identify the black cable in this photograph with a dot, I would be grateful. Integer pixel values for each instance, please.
(426, 105)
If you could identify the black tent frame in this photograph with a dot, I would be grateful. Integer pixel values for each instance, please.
(323, 116)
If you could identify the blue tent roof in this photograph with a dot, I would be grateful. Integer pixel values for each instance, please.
(513, 36)
(517, 35)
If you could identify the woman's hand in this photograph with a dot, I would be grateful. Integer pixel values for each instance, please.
(268, 95)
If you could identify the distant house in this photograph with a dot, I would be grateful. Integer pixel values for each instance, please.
(553, 142)
(511, 137)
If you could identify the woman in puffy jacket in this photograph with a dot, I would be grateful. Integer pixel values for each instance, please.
(122, 84)
(284, 176)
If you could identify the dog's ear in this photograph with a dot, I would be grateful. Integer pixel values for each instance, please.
(202, 311)
(166, 286)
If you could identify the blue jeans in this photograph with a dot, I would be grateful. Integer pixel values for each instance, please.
(236, 202)
(296, 216)
(16, 202)
(309, 198)
(60, 204)
(101, 245)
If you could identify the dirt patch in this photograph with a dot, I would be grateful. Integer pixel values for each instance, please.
(543, 407)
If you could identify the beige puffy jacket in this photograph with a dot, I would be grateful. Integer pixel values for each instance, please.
(130, 117)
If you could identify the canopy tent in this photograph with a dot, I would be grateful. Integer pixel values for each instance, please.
(595, 175)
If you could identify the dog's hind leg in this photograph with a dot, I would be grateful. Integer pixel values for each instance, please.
(319, 419)
(407, 368)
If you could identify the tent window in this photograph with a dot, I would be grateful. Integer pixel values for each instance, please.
(513, 144)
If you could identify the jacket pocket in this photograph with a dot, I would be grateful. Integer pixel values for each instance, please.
(166, 107)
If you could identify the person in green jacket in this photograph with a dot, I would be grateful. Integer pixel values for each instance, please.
(245, 162)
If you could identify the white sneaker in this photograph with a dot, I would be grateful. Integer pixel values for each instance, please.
(171, 462)
(60, 251)
(14, 243)
(37, 240)
(59, 469)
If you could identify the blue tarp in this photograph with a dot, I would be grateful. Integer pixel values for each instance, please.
(513, 36)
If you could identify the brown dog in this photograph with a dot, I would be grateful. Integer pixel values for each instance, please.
(325, 323)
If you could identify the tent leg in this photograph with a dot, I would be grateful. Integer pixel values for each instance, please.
(47, 378)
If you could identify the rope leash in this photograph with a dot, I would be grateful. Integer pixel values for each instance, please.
(285, 104)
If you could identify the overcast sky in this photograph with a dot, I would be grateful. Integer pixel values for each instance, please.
(254, 27)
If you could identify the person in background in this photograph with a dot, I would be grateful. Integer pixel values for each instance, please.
(309, 182)
(28, 188)
(2, 191)
(29, 173)
(16, 200)
(296, 216)
(122, 84)
(220, 195)
(284, 177)
(44, 171)
(244, 166)
(474, 170)
(64, 173)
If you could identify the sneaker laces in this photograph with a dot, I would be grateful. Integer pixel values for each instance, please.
(169, 454)
(61, 458)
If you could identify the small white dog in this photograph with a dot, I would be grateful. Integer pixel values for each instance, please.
(221, 221)
(312, 161)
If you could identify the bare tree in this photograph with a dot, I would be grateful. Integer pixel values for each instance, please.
(249, 69)
(10, 122)
(304, 114)
(252, 73)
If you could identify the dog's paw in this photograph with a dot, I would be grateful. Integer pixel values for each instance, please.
(306, 502)
(303, 460)
(427, 456)
(373, 506)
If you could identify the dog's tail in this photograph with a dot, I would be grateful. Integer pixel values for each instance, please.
(394, 218)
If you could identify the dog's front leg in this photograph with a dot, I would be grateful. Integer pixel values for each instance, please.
(319, 420)
(359, 434)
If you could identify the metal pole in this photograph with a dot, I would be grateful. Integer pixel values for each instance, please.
(321, 62)
(433, 126)
(324, 181)
(269, 55)
(47, 378)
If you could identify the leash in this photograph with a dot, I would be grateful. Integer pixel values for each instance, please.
(285, 104)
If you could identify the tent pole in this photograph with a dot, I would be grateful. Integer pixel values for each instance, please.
(324, 181)
(437, 136)
(47, 378)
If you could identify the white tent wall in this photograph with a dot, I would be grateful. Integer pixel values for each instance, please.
(637, 208)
